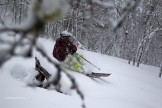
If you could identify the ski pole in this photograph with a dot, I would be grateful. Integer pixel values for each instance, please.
(88, 61)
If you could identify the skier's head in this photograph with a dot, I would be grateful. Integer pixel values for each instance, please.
(65, 34)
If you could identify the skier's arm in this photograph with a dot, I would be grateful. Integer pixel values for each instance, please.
(72, 48)
(58, 53)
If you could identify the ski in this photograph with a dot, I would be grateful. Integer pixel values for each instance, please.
(98, 75)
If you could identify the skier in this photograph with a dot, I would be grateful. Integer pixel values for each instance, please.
(64, 46)
(64, 51)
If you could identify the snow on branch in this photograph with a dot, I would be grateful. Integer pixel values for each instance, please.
(6, 2)
(103, 4)
(11, 51)
(41, 12)
(152, 34)
(129, 7)
(56, 80)
(75, 86)
(14, 29)
(81, 46)
(148, 37)
(25, 4)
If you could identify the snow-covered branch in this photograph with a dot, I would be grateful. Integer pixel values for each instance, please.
(103, 4)
(2, 22)
(148, 37)
(81, 46)
(152, 34)
(56, 80)
(6, 2)
(129, 7)
(42, 11)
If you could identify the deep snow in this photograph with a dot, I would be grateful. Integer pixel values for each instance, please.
(127, 87)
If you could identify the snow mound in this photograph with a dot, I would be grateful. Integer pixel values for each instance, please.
(19, 72)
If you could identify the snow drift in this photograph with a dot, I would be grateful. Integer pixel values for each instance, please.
(127, 87)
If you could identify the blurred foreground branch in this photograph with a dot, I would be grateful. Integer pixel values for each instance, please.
(42, 11)
(130, 6)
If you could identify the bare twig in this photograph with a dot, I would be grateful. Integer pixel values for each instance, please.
(2, 22)
(130, 6)
(38, 22)
(56, 80)
(10, 52)
(15, 30)
(6, 2)
(75, 86)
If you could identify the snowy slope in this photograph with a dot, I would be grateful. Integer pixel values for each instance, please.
(127, 87)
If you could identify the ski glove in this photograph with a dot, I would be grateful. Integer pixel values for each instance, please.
(72, 51)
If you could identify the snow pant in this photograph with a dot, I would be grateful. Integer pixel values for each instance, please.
(74, 63)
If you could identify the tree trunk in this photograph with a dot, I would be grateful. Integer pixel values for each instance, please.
(139, 56)
(134, 60)
(20, 15)
(139, 59)
(129, 60)
(160, 72)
